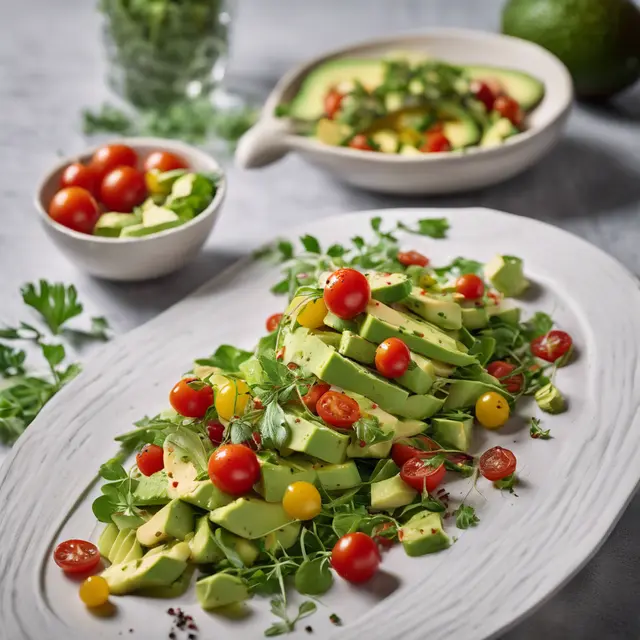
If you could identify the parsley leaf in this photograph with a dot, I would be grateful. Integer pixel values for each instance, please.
(466, 517)
(432, 227)
(273, 427)
(368, 430)
(507, 483)
(11, 361)
(536, 432)
(226, 357)
(539, 324)
(310, 243)
(458, 267)
(56, 303)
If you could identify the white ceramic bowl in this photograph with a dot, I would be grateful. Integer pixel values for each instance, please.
(134, 258)
(272, 138)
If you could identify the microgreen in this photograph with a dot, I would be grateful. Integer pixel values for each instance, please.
(537, 433)
(367, 430)
(466, 517)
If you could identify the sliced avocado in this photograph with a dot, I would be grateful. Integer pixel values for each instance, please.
(107, 538)
(174, 520)
(330, 338)
(110, 225)
(125, 548)
(219, 590)
(439, 309)
(151, 490)
(174, 590)
(283, 538)
(423, 534)
(332, 132)
(311, 437)
(550, 399)
(205, 495)
(421, 407)
(391, 493)
(461, 132)
(332, 320)
(251, 518)
(408, 427)
(387, 140)
(333, 477)
(357, 348)
(204, 549)
(420, 375)
(498, 132)
(520, 86)
(465, 393)
(277, 474)
(506, 274)
(114, 552)
(389, 287)
(159, 218)
(474, 317)
(457, 433)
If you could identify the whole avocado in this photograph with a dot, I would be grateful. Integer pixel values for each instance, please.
(598, 40)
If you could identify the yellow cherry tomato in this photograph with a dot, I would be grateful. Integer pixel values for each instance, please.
(94, 591)
(312, 314)
(302, 501)
(232, 399)
(492, 410)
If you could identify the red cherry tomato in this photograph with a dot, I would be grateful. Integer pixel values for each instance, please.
(435, 142)
(470, 286)
(314, 394)
(408, 258)
(497, 463)
(380, 539)
(234, 469)
(436, 127)
(392, 358)
(501, 370)
(80, 175)
(254, 442)
(332, 103)
(509, 108)
(416, 447)
(122, 189)
(112, 156)
(361, 143)
(76, 556)
(164, 161)
(338, 409)
(484, 93)
(75, 208)
(215, 431)
(273, 322)
(356, 557)
(552, 345)
(419, 475)
(150, 459)
(346, 293)
(188, 402)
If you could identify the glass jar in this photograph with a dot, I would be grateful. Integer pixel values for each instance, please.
(162, 52)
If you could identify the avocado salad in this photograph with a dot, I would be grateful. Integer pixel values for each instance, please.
(410, 105)
(334, 439)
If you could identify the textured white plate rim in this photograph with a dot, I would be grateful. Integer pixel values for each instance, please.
(571, 560)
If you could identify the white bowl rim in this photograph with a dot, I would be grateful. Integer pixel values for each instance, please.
(134, 141)
(295, 141)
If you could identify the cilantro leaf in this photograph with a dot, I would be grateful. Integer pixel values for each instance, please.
(466, 517)
(11, 361)
(368, 430)
(273, 427)
(310, 243)
(431, 227)
(278, 629)
(336, 251)
(458, 267)
(536, 432)
(226, 357)
(539, 324)
(286, 250)
(54, 302)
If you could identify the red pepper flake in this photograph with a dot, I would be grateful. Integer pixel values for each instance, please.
(400, 534)
(280, 354)
(374, 406)
(421, 531)
(292, 366)
(257, 403)
(363, 443)
(388, 281)
(434, 531)
(423, 292)
(297, 420)
(174, 484)
(170, 474)
(170, 449)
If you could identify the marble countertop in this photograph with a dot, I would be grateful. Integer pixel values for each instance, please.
(51, 66)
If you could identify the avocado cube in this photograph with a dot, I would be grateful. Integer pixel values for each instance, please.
(389, 287)
(474, 318)
(506, 274)
(219, 590)
(277, 474)
(204, 549)
(408, 427)
(174, 520)
(204, 494)
(420, 375)
(283, 538)
(423, 534)
(457, 433)
(391, 493)
(251, 518)
(174, 590)
(316, 440)
(247, 550)
(465, 393)
(333, 477)
(550, 399)
(440, 309)
(340, 325)
(357, 348)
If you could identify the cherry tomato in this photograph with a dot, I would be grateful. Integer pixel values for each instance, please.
(254, 442)
(234, 469)
(492, 410)
(215, 431)
(382, 540)
(76, 556)
(361, 143)
(80, 175)
(552, 345)
(484, 93)
(94, 591)
(314, 394)
(501, 370)
(346, 293)
(112, 156)
(122, 189)
(470, 286)
(232, 399)
(356, 557)
(435, 142)
(75, 208)
(312, 314)
(392, 358)
(150, 459)
(402, 451)
(332, 103)
(302, 501)
(338, 410)
(188, 402)
(509, 108)
(164, 161)
(408, 258)
(421, 475)
(273, 322)
(497, 463)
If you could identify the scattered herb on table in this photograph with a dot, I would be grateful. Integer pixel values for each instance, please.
(536, 432)
(466, 517)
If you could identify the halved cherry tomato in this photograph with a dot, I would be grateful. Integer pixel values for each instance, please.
(273, 321)
(234, 469)
(164, 161)
(112, 156)
(215, 431)
(338, 409)
(80, 175)
(123, 188)
(361, 143)
(552, 345)
(356, 557)
(189, 402)
(75, 208)
(509, 108)
(419, 474)
(314, 394)
(497, 463)
(150, 459)
(408, 258)
(346, 293)
(332, 103)
(392, 358)
(404, 450)
(470, 286)
(435, 142)
(76, 556)
(501, 370)
(484, 93)
(382, 540)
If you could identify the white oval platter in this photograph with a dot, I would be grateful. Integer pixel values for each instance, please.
(574, 487)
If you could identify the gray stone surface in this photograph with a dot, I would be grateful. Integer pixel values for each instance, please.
(51, 65)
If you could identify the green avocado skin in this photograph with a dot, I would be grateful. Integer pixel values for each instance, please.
(598, 40)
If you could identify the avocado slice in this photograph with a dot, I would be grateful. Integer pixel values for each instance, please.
(313, 438)
(111, 224)
(251, 518)
(391, 493)
(331, 320)
(125, 548)
(506, 274)
(333, 477)
(107, 538)
(423, 534)
(219, 590)
(474, 317)
(550, 399)
(174, 590)
(498, 132)
(387, 140)
(389, 287)
(203, 547)
(353, 346)
(439, 309)
(520, 86)
(277, 474)
(174, 520)
(283, 538)
(465, 393)
(420, 375)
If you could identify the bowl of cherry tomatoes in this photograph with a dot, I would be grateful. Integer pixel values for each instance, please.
(133, 209)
